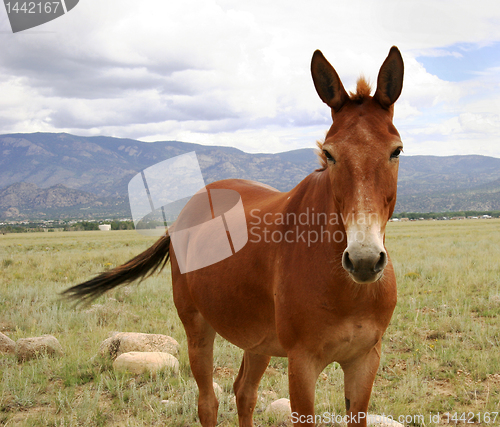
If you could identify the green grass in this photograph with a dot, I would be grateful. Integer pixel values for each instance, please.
(441, 352)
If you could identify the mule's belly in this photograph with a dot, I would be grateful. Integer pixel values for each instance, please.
(248, 323)
(244, 318)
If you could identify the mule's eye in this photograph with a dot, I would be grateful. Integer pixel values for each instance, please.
(329, 157)
(395, 154)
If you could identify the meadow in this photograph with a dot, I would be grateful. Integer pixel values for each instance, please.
(441, 352)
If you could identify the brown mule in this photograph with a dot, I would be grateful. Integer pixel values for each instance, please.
(314, 282)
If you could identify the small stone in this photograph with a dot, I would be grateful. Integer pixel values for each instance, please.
(217, 389)
(381, 421)
(126, 342)
(7, 346)
(138, 362)
(280, 408)
(30, 348)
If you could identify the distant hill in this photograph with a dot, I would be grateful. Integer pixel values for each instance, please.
(485, 197)
(429, 174)
(448, 184)
(75, 176)
(26, 200)
(104, 165)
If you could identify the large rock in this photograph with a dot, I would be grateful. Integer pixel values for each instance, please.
(126, 342)
(138, 362)
(31, 348)
(280, 408)
(7, 346)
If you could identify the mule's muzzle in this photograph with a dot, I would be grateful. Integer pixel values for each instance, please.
(364, 264)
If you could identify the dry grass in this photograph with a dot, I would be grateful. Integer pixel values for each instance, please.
(441, 351)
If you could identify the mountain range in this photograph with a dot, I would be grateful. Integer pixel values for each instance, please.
(60, 175)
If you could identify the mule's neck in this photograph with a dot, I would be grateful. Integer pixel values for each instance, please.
(313, 199)
(314, 191)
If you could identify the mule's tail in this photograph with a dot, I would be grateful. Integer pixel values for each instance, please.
(140, 267)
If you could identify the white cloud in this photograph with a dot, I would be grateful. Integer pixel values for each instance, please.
(488, 123)
(451, 126)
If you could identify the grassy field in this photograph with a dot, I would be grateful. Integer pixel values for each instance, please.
(441, 352)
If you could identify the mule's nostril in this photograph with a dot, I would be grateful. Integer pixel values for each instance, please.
(380, 265)
(347, 263)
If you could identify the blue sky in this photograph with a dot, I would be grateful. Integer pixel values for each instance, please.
(225, 72)
(462, 61)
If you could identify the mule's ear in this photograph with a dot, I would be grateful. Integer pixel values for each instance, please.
(327, 82)
(390, 79)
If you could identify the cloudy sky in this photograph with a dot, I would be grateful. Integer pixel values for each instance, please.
(226, 72)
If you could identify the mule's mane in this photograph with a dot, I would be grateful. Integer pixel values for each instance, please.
(363, 90)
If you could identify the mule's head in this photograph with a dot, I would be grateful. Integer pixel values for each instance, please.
(360, 153)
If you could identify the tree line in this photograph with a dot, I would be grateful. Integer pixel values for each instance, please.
(440, 215)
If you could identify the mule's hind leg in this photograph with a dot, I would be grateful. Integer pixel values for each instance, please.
(247, 382)
(200, 347)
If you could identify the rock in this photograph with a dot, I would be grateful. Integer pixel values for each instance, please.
(30, 348)
(380, 421)
(126, 342)
(168, 403)
(217, 389)
(280, 408)
(138, 362)
(7, 346)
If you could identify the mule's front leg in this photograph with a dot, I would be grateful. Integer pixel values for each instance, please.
(359, 376)
(303, 371)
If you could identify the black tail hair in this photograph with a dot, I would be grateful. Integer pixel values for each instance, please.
(139, 267)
